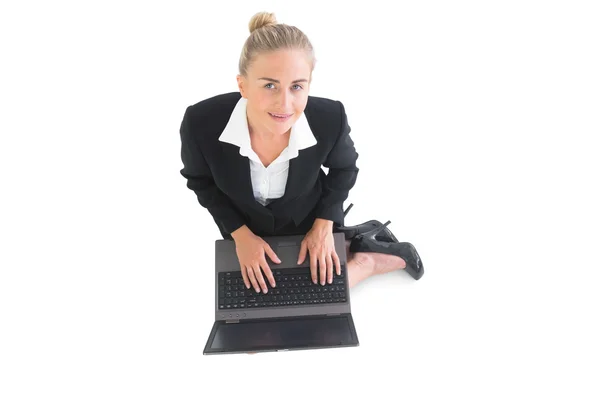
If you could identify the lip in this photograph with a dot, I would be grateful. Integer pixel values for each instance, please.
(280, 119)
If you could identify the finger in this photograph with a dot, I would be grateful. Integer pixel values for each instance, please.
(271, 253)
(245, 277)
(253, 279)
(302, 254)
(329, 268)
(338, 266)
(268, 273)
(313, 265)
(322, 268)
(259, 275)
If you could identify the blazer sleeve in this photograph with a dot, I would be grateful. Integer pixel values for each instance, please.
(200, 180)
(341, 176)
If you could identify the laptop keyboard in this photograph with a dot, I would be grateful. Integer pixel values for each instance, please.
(294, 286)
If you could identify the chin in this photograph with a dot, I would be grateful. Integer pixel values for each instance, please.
(280, 128)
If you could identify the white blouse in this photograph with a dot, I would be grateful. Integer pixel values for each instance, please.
(268, 183)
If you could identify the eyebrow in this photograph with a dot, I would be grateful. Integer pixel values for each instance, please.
(276, 81)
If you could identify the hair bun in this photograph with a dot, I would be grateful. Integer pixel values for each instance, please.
(261, 19)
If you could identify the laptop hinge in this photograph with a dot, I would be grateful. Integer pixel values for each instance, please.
(333, 315)
(232, 321)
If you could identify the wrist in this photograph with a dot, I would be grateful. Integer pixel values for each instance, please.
(240, 233)
(323, 223)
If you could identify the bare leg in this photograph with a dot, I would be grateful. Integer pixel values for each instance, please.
(363, 265)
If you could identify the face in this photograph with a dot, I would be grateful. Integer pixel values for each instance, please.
(277, 90)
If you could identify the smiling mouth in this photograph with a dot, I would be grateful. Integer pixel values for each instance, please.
(282, 116)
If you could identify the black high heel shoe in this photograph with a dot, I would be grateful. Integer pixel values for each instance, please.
(370, 242)
(351, 231)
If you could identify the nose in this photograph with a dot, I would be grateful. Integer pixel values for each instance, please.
(285, 101)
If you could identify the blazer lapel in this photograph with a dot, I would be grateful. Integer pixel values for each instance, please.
(239, 180)
(292, 180)
(238, 169)
(299, 172)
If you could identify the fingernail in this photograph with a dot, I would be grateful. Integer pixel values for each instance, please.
(257, 290)
(264, 290)
(330, 281)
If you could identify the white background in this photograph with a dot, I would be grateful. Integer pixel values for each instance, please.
(476, 124)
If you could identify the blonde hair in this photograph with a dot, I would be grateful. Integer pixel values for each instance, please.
(266, 35)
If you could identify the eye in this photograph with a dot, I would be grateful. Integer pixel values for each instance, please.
(296, 87)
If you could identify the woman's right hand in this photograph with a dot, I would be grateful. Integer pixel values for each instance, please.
(251, 250)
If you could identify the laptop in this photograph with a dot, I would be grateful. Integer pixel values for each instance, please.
(295, 315)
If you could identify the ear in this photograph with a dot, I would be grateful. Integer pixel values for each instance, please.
(241, 85)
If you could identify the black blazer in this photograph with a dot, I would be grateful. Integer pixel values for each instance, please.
(220, 176)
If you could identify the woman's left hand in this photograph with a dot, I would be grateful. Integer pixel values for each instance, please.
(320, 245)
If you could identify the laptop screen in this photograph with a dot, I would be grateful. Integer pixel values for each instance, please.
(292, 333)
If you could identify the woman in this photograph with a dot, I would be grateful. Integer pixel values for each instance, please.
(254, 160)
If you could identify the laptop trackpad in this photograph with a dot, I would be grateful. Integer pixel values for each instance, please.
(289, 255)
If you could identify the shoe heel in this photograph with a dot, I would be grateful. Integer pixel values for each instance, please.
(372, 233)
(348, 209)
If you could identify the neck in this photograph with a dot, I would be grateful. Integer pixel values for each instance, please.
(266, 135)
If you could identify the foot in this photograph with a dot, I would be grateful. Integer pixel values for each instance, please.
(379, 263)
(364, 265)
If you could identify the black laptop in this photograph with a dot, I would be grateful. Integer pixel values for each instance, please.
(295, 315)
